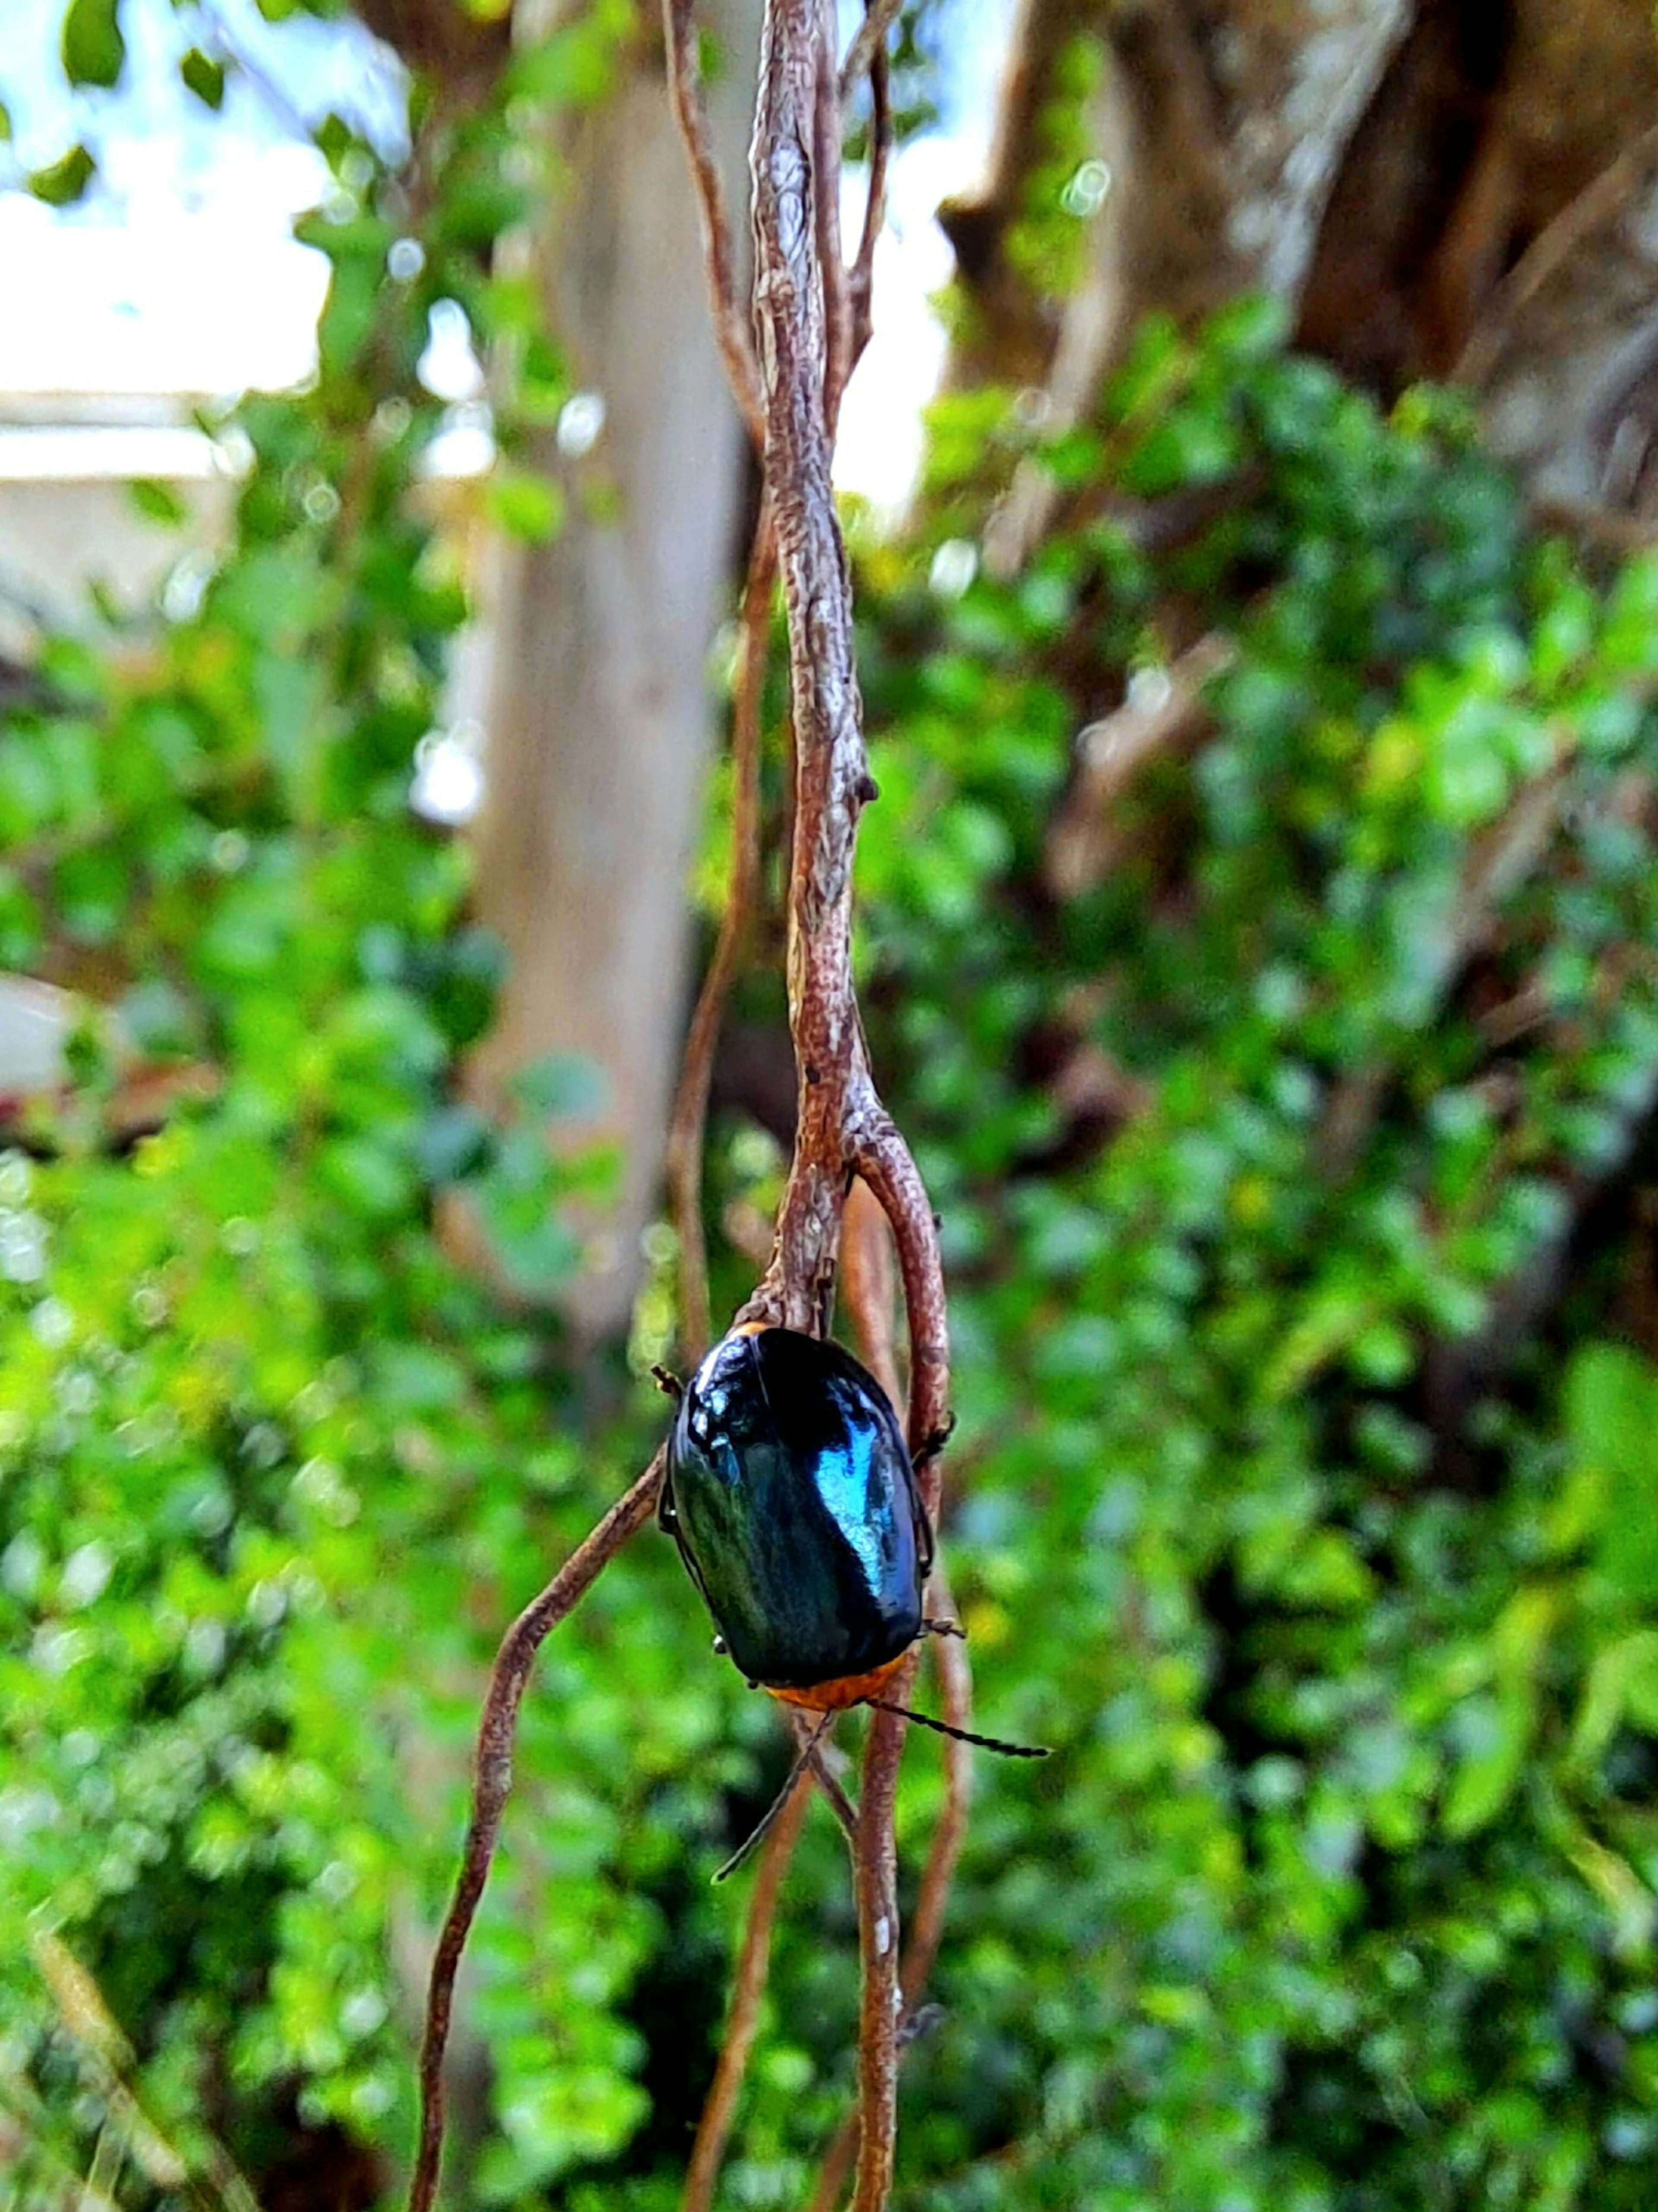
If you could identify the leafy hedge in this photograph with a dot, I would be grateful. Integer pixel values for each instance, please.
(1304, 1488)
(1303, 1492)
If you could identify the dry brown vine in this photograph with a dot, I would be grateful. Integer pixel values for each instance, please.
(690, 1106)
(811, 316)
(492, 1780)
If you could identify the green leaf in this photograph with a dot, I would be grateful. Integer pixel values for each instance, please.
(526, 507)
(157, 501)
(1496, 1733)
(93, 50)
(204, 78)
(5, 125)
(1612, 1417)
(66, 180)
(1622, 1683)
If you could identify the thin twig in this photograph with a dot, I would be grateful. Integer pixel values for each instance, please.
(1155, 720)
(926, 1930)
(840, 1123)
(838, 1801)
(956, 1696)
(886, 1164)
(1556, 245)
(107, 2058)
(713, 2129)
(860, 277)
(832, 774)
(825, 175)
(493, 1781)
(731, 319)
(691, 1111)
(876, 1887)
(868, 1287)
(869, 41)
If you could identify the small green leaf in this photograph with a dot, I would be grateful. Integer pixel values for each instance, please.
(1623, 1679)
(527, 506)
(66, 179)
(1496, 1733)
(93, 50)
(157, 501)
(5, 125)
(204, 78)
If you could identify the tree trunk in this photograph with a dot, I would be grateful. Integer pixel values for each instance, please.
(1385, 167)
(601, 716)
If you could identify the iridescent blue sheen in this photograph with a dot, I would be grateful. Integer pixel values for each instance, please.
(791, 1494)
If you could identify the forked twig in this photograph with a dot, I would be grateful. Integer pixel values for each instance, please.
(748, 1988)
(731, 319)
(867, 1288)
(802, 296)
(860, 277)
(492, 1783)
(868, 45)
(841, 1124)
(849, 315)
(690, 1108)
(926, 1930)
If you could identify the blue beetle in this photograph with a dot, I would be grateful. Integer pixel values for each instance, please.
(792, 1496)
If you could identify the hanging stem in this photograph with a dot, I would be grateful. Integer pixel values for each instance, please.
(690, 1111)
(492, 1782)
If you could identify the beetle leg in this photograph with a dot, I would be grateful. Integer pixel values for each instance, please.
(925, 1548)
(669, 1385)
(934, 1444)
(667, 1517)
(945, 1628)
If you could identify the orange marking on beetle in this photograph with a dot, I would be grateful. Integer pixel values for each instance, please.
(749, 1329)
(836, 1697)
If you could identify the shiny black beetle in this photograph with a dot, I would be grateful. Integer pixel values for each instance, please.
(791, 1495)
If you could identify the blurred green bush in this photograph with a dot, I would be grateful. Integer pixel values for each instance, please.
(1292, 1177)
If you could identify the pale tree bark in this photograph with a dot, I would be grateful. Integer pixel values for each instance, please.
(600, 717)
(1385, 167)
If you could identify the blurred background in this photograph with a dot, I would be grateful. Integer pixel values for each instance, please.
(1249, 493)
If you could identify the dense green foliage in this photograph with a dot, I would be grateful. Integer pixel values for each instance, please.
(1303, 1492)
(1298, 1490)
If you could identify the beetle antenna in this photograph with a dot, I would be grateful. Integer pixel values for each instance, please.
(962, 1735)
(779, 1800)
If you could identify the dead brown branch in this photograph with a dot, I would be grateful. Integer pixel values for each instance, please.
(853, 287)
(842, 1125)
(730, 318)
(690, 1110)
(832, 775)
(754, 1961)
(868, 45)
(1163, 713)
(492, 1783)
(926, 1931)
(1596, 209)
(806, 326)
(868, 1287)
